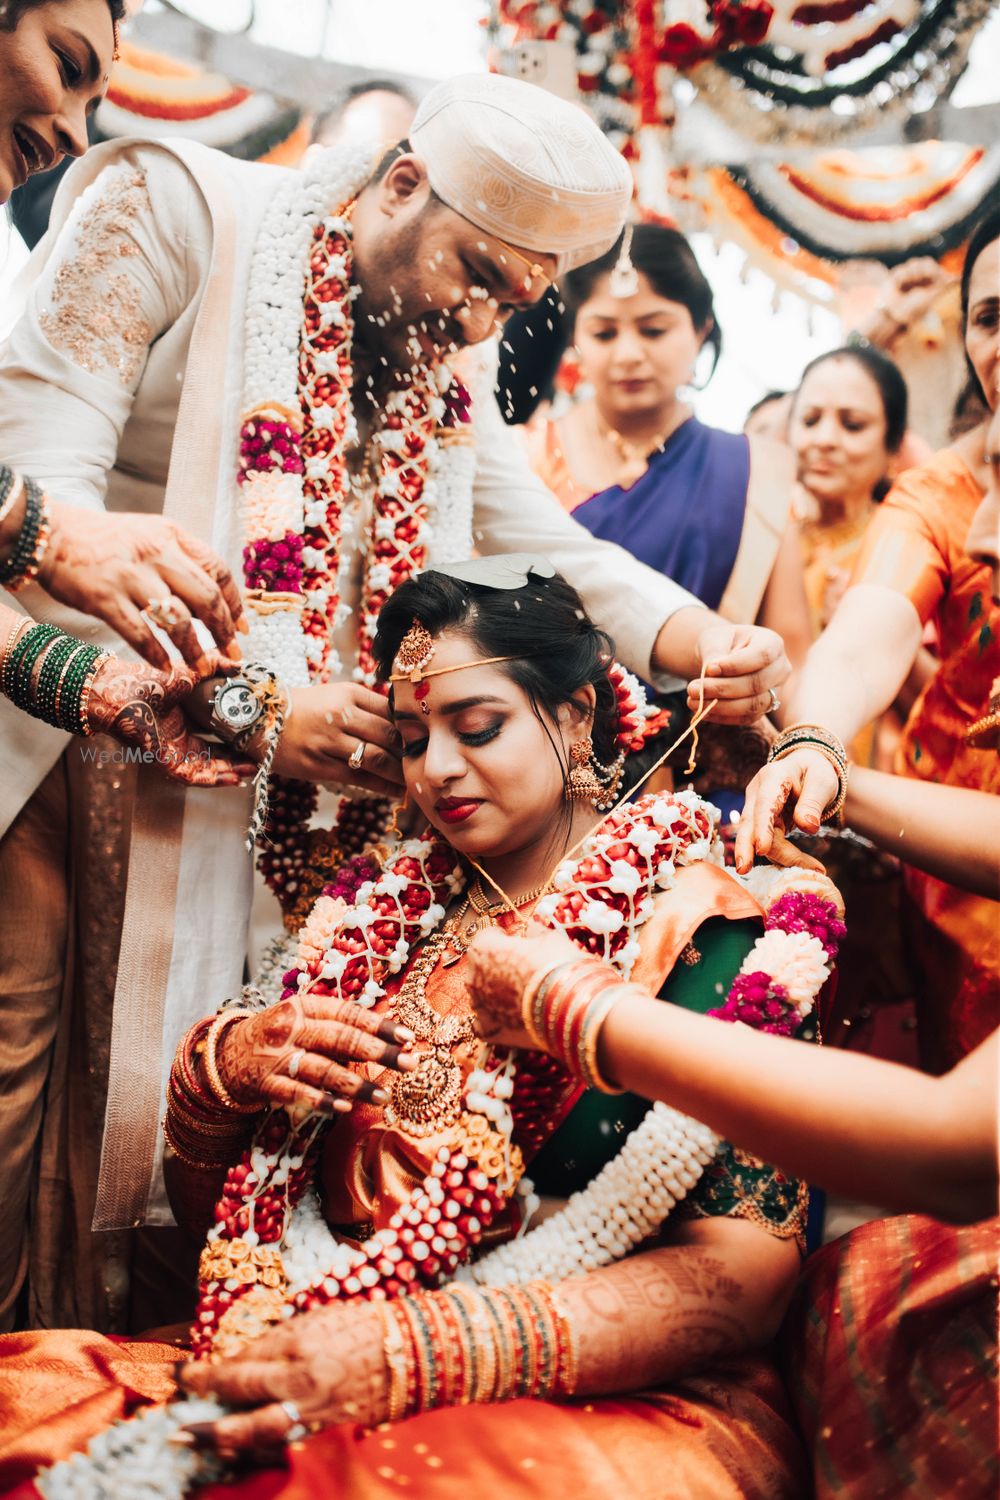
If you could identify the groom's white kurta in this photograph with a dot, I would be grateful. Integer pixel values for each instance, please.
(124, 372)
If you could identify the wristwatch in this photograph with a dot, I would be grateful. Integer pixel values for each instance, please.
(237, 706)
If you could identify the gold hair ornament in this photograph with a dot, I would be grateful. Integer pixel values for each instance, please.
(415, 650)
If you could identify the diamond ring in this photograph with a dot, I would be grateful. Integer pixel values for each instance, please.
(357, 755)
(298, 1429)
(775, 701)
(294, 1064)
(167, 612)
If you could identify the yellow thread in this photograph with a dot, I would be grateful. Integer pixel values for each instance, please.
(703, 712)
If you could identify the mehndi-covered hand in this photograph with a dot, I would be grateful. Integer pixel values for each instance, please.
(328, 724)
(139, 706)
(802, 786)
(499, 967)
(114, 566)
(294, 1053)
(329, 1364)
(741, 664)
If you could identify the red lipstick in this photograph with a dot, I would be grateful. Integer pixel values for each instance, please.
(456, 809)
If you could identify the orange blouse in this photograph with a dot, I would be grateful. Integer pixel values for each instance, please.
(916, 545)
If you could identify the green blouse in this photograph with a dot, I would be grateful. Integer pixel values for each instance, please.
(735, 1184)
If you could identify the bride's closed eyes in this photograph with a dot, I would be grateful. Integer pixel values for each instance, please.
(469, 736)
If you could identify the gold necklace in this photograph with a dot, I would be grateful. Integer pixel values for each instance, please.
(430, 1097)
(488, 911)
(634, 456)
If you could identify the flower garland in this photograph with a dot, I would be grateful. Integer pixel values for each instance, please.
(296, 434)
(270, 1253)
(765, 97)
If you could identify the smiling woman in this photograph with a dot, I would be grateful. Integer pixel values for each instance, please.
(55, 58)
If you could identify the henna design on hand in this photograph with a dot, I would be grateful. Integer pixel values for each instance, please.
(656, 1315)
(500, 965)
(330, 1362)
(139, 706)
(329, 1035)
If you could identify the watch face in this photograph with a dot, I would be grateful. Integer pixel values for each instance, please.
(237, 706)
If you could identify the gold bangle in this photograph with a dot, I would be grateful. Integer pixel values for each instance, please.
(795, 735)
(182, 1155)
(17, 490)
(212, 1075)
(533, 999)
(394, 1345)
(598, 1010)
(569, 1352)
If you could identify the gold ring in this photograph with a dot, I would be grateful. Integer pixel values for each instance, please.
(357, 755)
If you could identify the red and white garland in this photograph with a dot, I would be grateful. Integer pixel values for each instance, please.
(270, 1253)
(297, 432)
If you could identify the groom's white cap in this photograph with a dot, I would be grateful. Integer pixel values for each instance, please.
(524, 165)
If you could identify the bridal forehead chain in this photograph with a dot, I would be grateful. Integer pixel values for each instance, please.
(416, 649)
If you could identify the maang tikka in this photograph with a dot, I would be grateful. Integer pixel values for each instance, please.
(624, 278)
(416, 649)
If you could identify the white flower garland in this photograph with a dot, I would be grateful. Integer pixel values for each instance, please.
(271, 502)
(628, 1200)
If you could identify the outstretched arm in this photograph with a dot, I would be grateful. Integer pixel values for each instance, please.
(952, 832)
(852, 1124)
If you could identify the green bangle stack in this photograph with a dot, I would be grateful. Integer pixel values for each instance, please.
(32, 540)
(59, 694)
(21, 659)
(815, 737)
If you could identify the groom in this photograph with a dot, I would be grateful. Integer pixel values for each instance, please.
(261, 355)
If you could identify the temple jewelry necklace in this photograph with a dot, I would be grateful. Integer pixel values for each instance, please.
(429, 1098)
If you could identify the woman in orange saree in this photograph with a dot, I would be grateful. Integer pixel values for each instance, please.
(915, 565)
(624, 1349)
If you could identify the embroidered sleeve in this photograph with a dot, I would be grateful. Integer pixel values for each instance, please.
(737, 1185)
(124, 263)
(94, 304)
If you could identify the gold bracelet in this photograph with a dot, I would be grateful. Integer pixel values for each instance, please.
(598, 1010)
(23, 624)
(569, 1352)
(212, 1075)
(17, 490)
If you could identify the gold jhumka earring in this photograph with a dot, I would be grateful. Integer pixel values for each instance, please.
(591, 781)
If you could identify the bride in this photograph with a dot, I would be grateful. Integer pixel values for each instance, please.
(377, 1253)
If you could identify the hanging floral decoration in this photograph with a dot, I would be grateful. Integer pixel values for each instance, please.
(824, 70)
(150, 94)
(297, 435)
(599, 32)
